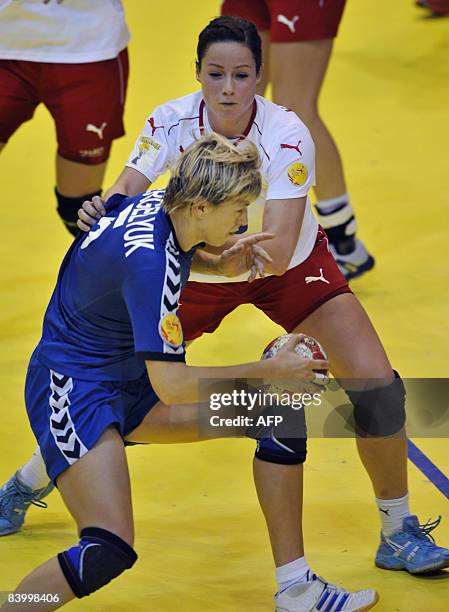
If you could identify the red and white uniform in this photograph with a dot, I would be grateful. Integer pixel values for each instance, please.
(290, 20)
(288, 167)
(285, 147)
(65, 55)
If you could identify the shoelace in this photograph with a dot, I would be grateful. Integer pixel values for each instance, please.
(14, 493)
(423, 531)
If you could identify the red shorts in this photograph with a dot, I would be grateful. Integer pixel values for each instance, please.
(86, 102)
(287, 300)
(290, 20)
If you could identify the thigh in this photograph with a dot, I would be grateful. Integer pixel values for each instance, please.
(96, 489)
(297, 73)
(168, 425)
(302, 20)
(87, 104)
(204, 305)
(349, 339)
(18, 97)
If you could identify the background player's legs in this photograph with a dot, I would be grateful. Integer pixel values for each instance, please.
(96, 490)
(74, 179)
(297, 71)
(87, 122)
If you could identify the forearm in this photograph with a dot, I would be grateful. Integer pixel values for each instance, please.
(180, 383)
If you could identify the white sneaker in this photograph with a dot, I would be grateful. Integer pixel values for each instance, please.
(318, 595)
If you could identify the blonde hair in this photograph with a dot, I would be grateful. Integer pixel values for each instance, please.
(214, 170)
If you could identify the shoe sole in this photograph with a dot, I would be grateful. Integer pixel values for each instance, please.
(10, 531)
(364, 609)
(365, 267)
(424, 570)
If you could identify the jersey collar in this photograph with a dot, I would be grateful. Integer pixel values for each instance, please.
(246, 130)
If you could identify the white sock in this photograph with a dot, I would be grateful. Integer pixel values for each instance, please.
(392, 512)
(34, 474)
(329, 206)
(292, 573)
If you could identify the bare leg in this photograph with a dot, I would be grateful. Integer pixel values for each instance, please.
(97, 492)
(74, 180)
(300, 92)
(280, 492)
(355, 351)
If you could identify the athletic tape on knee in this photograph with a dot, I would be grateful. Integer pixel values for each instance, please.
(68, 208)
(99, 557)
(379, 412)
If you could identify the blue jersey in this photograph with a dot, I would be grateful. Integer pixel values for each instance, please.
(117, 295)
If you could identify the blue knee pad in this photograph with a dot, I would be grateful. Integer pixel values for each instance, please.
(99, 557)
(380, 411)
(285, 451)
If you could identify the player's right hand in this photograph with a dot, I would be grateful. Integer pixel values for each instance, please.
(289, 365)
(90, 212)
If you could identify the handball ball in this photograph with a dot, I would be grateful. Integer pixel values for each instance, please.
(307, 347)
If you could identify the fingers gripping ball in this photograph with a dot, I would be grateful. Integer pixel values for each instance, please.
(307, 347)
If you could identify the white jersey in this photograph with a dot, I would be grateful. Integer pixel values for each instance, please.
(284, 144)
(72, 32)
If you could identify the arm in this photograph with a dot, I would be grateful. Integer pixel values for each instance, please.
(129, 183)
(283, 218)
(178, 383)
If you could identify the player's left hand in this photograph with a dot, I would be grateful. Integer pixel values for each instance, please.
(246, 254)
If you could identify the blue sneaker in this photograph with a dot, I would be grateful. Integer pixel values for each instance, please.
(412, 548)
(15, 499)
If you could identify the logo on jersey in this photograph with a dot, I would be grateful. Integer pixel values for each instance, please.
(148, 147)
(170, 330)
(153, 126)
(297, 174)
(294, 147)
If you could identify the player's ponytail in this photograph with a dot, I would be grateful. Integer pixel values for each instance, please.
(214, 170)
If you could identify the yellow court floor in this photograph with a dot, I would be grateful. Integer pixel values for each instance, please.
(201, 537)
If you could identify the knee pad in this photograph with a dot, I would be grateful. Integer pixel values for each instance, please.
(99, 557)
(68, 209)
(379, 412)
(285, 451)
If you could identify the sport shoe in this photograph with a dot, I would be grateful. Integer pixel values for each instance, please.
(412, 549)
(355, 263)
(319, 595)
(15, 499)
